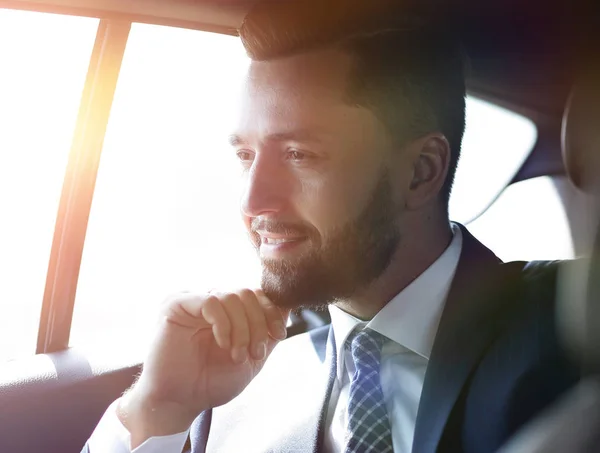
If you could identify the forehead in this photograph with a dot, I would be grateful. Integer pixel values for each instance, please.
(303, 91)
(306, 93)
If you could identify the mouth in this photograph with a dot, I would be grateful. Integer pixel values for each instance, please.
(278, 244)
(280, 240)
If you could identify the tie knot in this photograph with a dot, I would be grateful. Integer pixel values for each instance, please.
(366, 348)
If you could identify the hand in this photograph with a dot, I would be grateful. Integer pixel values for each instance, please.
(206, 351)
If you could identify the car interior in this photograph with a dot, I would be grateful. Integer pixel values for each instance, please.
(572, 423)
(533, 66)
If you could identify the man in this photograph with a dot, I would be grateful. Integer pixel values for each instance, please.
(349, 138)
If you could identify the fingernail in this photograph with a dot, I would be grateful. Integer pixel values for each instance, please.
(260, 350)
(239, 355)
(280, 330)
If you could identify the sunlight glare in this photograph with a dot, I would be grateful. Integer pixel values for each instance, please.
(44, 60)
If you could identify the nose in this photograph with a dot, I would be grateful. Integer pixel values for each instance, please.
(267, 187)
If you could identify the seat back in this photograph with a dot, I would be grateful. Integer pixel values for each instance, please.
(579, 306)
(573, 424)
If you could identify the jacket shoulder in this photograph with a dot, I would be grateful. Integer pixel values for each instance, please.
(526, 368)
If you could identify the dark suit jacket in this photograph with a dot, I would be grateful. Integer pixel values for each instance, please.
(495, 363)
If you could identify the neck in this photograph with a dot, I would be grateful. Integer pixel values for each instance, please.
(419, 248)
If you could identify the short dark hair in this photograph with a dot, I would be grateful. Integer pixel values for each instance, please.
(408, 70)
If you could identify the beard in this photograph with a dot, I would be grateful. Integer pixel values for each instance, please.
(350, 258)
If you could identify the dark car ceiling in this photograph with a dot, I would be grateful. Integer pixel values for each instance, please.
(523, 54)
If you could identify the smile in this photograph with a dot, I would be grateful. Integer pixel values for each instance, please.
(276, 241)
(274, 245)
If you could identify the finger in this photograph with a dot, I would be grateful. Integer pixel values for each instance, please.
(258, 324)
(185, 310)
(240, 332)
(214, 314)
(276, 317)
(192, 304)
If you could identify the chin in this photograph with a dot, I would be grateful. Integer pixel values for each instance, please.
(281, 297)
(286, 292)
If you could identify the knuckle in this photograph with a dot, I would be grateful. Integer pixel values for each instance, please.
(211, 304)
(246, 294)
(264, 300)
(172, 302)
(229, 298)
(211, 299)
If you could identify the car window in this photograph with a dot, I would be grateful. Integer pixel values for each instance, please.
(496, 143)
(527, 222)
(524, 221)
(43, 60)
(165, 214)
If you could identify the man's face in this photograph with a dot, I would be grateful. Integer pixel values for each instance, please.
(320, 202)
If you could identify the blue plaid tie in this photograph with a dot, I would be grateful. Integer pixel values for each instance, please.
(368, 423)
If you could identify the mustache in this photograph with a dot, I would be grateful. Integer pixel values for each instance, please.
(277, 227)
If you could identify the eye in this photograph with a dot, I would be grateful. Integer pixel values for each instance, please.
(244, 155)
(295, 155)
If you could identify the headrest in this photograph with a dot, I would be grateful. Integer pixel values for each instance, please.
(581, 131)
(578, 314)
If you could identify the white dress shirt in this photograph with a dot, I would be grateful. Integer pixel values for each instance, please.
(410, 321)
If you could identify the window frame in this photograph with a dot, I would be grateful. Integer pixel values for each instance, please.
(78, 186)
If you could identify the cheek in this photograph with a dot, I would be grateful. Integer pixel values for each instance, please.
(332, 201)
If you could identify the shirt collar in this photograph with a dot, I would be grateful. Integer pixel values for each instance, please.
(411, 318)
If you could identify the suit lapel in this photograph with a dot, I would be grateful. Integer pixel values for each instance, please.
(470, 321)
(316, 428)
(284, 408)
(309, 433)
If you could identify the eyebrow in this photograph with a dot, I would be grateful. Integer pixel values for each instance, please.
(300, 135)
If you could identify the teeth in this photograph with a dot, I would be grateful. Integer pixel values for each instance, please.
(277, 241)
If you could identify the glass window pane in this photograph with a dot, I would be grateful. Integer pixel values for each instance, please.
(44, 60)
(165, 213)
(527, 222)
(496, 143)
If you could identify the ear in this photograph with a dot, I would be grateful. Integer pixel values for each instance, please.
(430, 166)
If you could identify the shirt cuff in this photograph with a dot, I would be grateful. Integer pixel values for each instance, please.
(110, 436)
